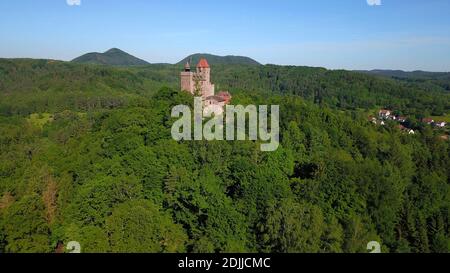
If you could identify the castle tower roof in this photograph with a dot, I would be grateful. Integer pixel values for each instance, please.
(203, 63)
(187, 66)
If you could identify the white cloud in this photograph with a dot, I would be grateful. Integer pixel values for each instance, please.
(374, 2)
(73, 2)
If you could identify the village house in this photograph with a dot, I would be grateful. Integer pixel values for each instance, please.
(402, 119)
(373, 119)
(406, 130)
(199, 84)
(385, 114)
(428, 121)
(440, 124)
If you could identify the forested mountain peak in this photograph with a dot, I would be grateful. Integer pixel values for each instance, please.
(114, 56)
(214, 59)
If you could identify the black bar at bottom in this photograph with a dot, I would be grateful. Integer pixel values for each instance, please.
(224, 262)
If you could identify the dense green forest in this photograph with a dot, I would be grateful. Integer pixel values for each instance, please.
(437, 78)
(86, 155)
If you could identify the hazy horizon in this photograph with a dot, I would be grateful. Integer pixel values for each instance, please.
(352, 35)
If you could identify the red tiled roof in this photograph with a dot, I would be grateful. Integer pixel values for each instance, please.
(203, 63)
(224, 94)
(216, 98)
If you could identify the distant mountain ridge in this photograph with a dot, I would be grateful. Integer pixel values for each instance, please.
(418, 74)
(215, 59)
(113, 56)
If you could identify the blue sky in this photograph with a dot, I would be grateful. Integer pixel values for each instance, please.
(349, 34)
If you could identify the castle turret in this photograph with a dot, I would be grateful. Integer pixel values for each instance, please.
(187, 79)
(204, 69)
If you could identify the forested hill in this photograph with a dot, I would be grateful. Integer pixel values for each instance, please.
(215, 60)
(337, 88)
(86, 155)
(408, 74)
(55, 85)
(438, 78)
(113, 56)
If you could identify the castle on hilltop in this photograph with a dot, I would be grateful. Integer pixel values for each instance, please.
(199, 83)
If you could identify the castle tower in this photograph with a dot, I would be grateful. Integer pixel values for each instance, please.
(187, 79)
(204, 70)
(204, 74)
